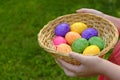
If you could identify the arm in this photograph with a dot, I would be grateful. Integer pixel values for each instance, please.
(110, 70)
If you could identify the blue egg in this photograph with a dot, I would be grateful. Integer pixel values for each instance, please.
(62, 29)
(89, 32)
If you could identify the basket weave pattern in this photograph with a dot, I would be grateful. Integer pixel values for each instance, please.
(107, 31)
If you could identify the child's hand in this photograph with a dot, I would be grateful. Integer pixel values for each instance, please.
(90, 65)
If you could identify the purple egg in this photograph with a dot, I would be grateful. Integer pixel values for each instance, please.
(89, 32)
(62, 29)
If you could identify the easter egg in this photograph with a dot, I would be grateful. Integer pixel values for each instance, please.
(71, 37)
(89, 32)
(79, 45)
(65, 48)
(78, 27)
(91, 50)
(58, 40)
(97, 41)
(62, 29)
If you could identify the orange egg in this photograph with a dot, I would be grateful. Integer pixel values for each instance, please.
(65, 48)
(71, 37)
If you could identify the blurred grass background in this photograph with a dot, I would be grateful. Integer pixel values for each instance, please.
(21, 58)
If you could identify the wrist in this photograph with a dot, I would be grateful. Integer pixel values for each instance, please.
(101, 66)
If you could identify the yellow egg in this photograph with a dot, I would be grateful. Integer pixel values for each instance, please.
(78, 27)
(91, 50)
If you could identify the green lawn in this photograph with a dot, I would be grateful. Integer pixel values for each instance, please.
(21, 58)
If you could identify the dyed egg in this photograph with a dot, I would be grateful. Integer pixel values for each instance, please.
(62, 29)
(97, 41)
(71, 37)
(91, 50)
(58, 40)
(79, 45)
(89, 32)
(65, 48)
(78, 27)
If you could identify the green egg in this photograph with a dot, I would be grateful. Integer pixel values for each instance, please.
(79, 45)
(97, 41)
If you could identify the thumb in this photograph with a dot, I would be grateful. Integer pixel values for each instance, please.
(83, 10)
(77, 56)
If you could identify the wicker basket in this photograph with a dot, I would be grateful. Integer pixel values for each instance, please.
(105, 28)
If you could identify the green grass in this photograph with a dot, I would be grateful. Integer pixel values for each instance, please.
(21, 58)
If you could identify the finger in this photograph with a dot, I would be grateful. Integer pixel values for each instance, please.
(73, 74)
(69, 73)
(92, 11)
(80, 11)
(77, 56)
(71, 67)
(58, 63)
(83, 10)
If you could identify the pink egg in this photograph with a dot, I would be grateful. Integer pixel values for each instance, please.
(59, 40)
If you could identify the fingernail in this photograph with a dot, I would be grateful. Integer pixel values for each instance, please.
(77, 10)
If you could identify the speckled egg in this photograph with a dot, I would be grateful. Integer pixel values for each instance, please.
(91, 50)
(79, 45)
(65, 48)
(71, 37)
(58, 40)
(78, 27)
(97, 41)
(89, 32)
(62, 29)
